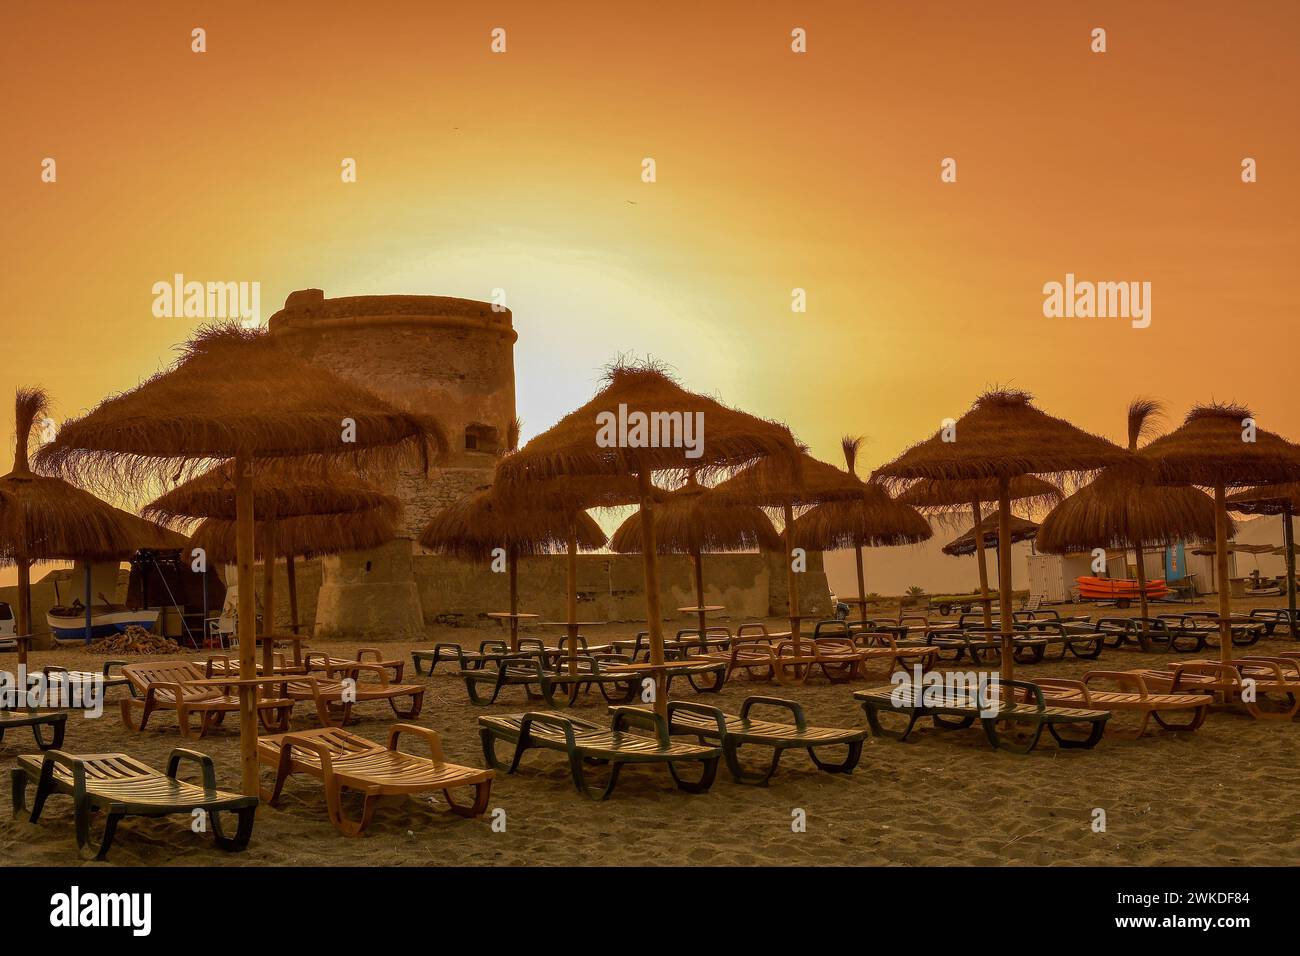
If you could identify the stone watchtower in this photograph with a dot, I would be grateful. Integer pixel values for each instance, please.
(450, 358)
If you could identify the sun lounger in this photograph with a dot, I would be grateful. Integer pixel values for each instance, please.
(107, 678)
(1245, 631)
(958, 711)
(335, 697)
(585, 744)
(753, 655)
(36, 719)
(122, 786)
(169, 685)
(345, 667)
(1133, 696)
(223, 665)
(711, 725)
(487, 651)
(344, 761)
(883, 646)
(557, 685)
(1272, 680)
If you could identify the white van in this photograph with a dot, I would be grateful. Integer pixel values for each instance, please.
(8, 628)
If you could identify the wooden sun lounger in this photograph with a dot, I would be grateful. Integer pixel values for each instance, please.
(1271, 678)
(168, 685)
(586, 743)
(748, 654)
(966, 709)
(711, 725)
(881, 646)
(330, 694)
(488, 651)
(1134, 696)
(57, 721)
(122, 786)
(223, 665)
(344, 761)
(106, 677)
(346, 667)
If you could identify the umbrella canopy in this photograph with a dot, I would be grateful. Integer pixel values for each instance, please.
(1266, 500)
(1221, 447)
(1112, 512)
(1022, 529)
(305, 536)
(234, 393)
(872, 521)
(1002, 437)
(47, 519)
(281, 488)
(642, 422)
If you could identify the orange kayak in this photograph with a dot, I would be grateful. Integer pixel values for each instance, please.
(1118, 587)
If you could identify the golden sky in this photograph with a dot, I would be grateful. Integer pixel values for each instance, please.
(775, 170)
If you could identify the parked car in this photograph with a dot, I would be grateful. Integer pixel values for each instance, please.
(8, 628)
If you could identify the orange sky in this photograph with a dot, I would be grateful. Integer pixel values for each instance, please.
(775, 170)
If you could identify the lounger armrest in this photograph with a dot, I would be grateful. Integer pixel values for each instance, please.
(746, 630)
(837, 626)
(378, 670)
(109, 665)
(206, 766)
(75, 764)
(624, 716)
(430, 735)
(1120, 678)
(704, 710)
(289, 741)
(363, 652)
(1063, 683)
(490, 645)
(750, 702)
(1033, 690)
(55, 669)
(554, 720)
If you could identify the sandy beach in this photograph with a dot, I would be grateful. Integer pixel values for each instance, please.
(1222, 795)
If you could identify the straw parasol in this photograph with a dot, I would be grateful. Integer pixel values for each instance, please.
(234, 393)
(1275, 500)
(690, 521)
(789, 484)
(1022, 529)
(1117, 510)
(474, 527)
(1002, 437)
(1221, 447)
(950, 498)
(629, 429)
(875, 520)
(283, 488)
(47, 519)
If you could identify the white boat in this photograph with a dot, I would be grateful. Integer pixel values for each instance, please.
(69, 623)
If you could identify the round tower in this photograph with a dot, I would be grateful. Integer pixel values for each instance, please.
(446, 357)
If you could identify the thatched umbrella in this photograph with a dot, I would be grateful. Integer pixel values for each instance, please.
(234, 393)
(950, 498)
(642, 423)
(967, 543)
(785, 484)
(474, 527)
(282, 489)
(1002, 437)
(47, 519)
(1221, 447)
(1281, 500)
(1116, 510)
(872, 521)
(690, 521)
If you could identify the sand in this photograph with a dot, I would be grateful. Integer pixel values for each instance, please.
(1225, 795)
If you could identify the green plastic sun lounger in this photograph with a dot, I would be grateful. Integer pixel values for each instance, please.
(711, 725)
(121, 786)
(587, 744)
(36, 719)
(955, 711)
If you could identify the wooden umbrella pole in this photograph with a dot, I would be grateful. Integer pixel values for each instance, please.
(24, 608)
(653, 616)
(1288, 540)
(792, 580)
(699, 589)
(244, 532)
(291, 578)
(512, 560)
(268, 595)
(862, 587)
(571, 579)
(1142, 583)
(982, 560)
(1221, 566)
(1004, 576)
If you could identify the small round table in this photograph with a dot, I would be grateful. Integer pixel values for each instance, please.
(703, 611)
(514, 617)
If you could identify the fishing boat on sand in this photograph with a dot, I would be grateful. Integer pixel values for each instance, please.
(68, 623)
